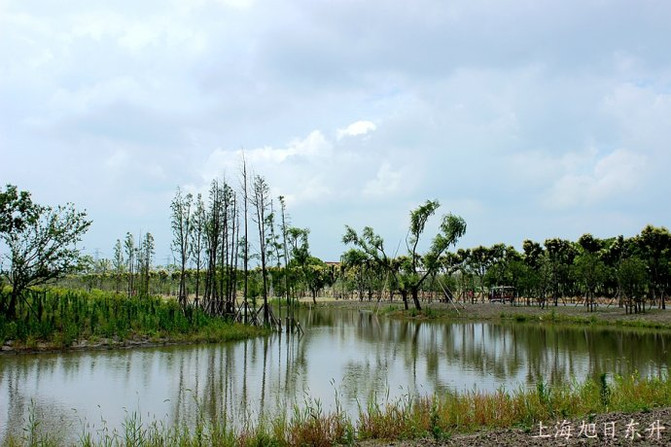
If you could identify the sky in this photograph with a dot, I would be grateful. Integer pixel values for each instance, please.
(530, 119)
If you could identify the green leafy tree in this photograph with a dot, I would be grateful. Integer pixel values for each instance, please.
(614, 251)
(560, 254)
(591, 272)
(479, 262)
(632, 277)
(299, 249)
(354, 261)
(520, 275)
(452, 227)
(145, 259)
(654, 247)
(465, 277)
(412, 270)
(504, 268)
(41, 242)
(370, 251)
(533, 253)
(317, 276)
(589, 268)
(17, 210)
(537, 278)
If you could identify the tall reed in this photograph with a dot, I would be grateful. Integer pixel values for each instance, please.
(61, 317)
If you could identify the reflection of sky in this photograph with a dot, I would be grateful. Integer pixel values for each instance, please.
(356, 354)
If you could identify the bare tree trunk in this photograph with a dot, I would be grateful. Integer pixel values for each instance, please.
(260, 198)
(404, 295)
(233, 284)
(245, 248)
(286, 260)
(11, 308)
(415, 298)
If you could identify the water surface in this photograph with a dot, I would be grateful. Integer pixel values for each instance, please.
(356, 355)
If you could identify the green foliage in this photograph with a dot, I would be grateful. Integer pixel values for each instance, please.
(604, 390)
(41, 242)
(67, 316)
(409, 272)
(632, 277)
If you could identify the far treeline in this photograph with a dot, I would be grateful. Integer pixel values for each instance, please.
(626, 272)
(236, 249)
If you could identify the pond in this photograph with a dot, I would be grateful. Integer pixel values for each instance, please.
(349, 355)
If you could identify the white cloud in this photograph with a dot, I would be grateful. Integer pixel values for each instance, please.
(310, 190)
(314, 169)
(619, 172)
(357, 128)
(537, 168)
(642, 114)
(387, 181)
(152, 88)
(308, 150)
(314, 146)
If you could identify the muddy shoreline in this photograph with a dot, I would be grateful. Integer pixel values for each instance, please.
(87, 345)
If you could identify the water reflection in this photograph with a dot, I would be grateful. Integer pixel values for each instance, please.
(357, 354)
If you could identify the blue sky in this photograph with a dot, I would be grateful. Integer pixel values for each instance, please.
(529, 119)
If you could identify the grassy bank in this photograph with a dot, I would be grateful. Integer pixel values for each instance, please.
(59, 319)
(439, 417)
(652, 319)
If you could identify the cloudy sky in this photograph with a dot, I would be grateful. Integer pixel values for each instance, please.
(531, 119)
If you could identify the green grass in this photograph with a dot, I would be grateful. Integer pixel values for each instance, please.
(439, 416)
(58, 318)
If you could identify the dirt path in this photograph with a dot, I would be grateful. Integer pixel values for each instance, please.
(651, 428)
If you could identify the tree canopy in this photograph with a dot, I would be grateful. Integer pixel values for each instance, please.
(412, 270)
(40, 242)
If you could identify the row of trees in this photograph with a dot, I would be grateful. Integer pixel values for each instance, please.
(165, 280)
(629, 271)
(211, 243)
(131, 266)
(212, 238)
